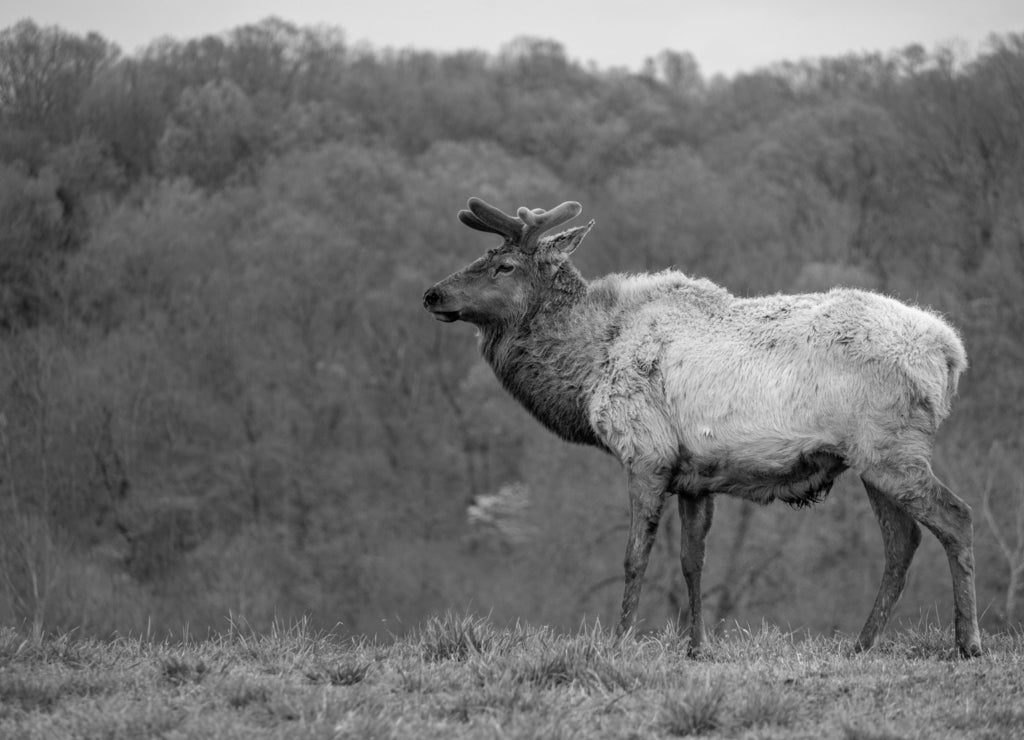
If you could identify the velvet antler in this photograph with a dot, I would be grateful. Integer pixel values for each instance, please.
(482, 216)
(525, 231)
(538, 221)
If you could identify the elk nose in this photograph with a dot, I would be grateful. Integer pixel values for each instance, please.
(431, 298)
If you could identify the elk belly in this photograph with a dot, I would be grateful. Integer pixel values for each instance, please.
(802, 481)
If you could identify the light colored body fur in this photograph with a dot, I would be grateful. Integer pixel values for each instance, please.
(752, 385)
(698, 392)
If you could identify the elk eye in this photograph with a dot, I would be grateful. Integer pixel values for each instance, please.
(504, 268)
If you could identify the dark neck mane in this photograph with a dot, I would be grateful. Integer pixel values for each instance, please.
(547, 359)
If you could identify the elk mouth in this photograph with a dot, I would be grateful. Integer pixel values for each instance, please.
(446, 316)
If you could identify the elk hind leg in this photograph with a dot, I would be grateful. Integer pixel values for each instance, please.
(901, 536)
(948, 517)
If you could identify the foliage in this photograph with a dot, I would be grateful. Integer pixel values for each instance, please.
(696, 712)
(221, 394)
(210, 134)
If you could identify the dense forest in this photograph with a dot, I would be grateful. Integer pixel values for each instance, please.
(221, 397)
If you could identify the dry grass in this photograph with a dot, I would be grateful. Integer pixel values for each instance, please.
(462, 677)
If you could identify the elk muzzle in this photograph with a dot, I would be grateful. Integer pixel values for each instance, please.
(433, 301)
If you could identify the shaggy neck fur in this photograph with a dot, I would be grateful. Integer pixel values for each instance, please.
(545, 359)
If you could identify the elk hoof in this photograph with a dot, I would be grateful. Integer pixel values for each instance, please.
(970, 650)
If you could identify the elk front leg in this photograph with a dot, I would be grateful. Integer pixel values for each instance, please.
(646, 499)
(695, 517)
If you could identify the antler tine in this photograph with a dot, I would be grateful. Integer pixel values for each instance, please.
(538, 221)
(470, 220)
(482, 216)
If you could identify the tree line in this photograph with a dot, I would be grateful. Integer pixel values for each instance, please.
(221, 394)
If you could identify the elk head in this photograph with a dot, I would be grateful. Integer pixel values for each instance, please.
(509, 279)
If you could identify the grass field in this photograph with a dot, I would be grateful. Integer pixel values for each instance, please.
(462, 677)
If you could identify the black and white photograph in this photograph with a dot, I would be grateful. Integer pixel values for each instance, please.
(535, 370)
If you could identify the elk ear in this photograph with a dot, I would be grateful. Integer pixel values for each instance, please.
(567, 241)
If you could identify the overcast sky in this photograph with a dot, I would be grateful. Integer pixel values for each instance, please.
(725, 36)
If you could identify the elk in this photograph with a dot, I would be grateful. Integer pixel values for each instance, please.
(698, 392)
